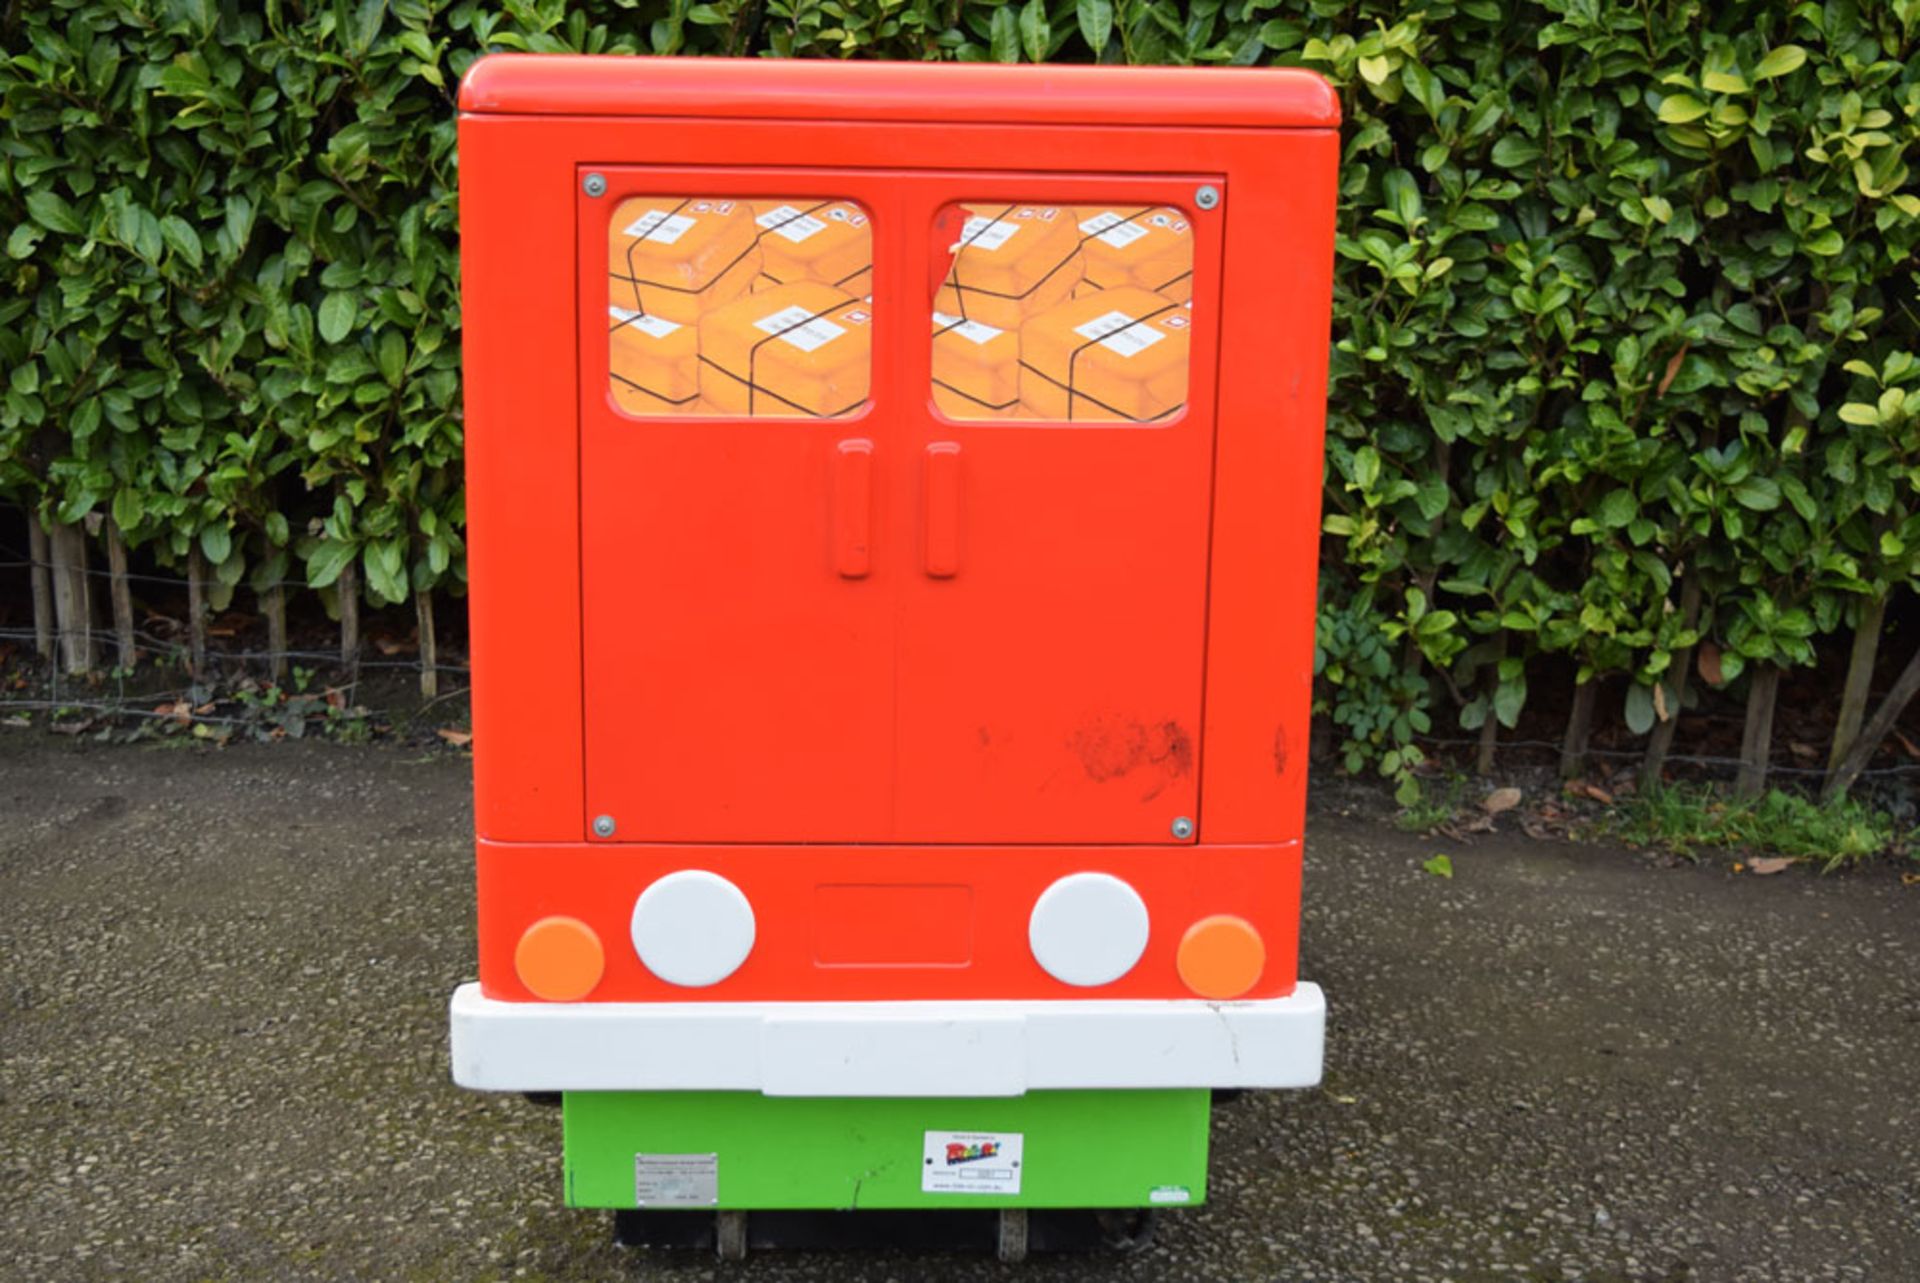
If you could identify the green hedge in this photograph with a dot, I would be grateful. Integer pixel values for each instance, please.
(1625, 324)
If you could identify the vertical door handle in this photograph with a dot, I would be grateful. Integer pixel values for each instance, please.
(853, 508)
(943, 509)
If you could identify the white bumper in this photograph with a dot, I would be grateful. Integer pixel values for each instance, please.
(885, 1048)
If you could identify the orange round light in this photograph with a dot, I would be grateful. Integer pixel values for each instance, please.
(560, 959)
(1221, 956)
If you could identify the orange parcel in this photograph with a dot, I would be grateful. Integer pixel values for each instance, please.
(676, 257)
(800, 349)
(1011, 262)
(1118, 354)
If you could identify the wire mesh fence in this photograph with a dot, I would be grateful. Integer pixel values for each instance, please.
(125, 646)
(237, 682)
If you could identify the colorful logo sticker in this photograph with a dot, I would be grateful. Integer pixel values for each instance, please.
(971, 1162)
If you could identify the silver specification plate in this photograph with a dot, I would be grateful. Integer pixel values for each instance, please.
(676, 1180)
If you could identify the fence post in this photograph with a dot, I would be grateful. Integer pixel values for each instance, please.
(273, 604)
(347, 593)
(429, 646)
(1756, 736)
(39, 573)
(121, 594)
(196, 610)
(72, 605)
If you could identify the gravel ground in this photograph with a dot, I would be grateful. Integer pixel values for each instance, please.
(222, 1055)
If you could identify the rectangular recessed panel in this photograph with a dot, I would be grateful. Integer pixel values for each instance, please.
(837, 1053)
(878, 925)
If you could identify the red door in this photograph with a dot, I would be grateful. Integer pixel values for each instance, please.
(817, 616)
(1052, 628)
(738, 629)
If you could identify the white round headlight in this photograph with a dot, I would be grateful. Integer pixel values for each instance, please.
(692, 928)
(1088, 929)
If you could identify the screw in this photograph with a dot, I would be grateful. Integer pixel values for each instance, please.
(603, 826)
(1206, 197)
(1183, 828)
(596, 185)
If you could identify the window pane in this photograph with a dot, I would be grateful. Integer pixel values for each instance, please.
(740, 308)
(1064, 314)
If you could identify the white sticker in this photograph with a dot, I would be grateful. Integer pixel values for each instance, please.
(1113, 229)
(971, 1163)
(791, 223)
(654, 327)
(1169, 1194)
(676, 1180)
(1120, 333)
(986, 234)
(658, 227)
(972, 331)
(792, 324)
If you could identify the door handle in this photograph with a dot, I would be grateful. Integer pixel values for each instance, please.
(853, 508)
(943, 509)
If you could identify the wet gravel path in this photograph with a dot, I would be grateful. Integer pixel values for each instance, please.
(222, 1056)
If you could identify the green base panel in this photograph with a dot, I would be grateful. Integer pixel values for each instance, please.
(745, 1151)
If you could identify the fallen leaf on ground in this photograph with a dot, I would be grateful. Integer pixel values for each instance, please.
(1772, 864)
(1501, 800)
(1580, 788)
(1910, 879)
(1440, 866)
(457, 738)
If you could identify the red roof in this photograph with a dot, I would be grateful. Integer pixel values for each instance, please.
(992, 93)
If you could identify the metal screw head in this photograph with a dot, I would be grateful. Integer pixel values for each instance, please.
(603, 826)
(1183, 828)
(1207, 197)
(595, 185)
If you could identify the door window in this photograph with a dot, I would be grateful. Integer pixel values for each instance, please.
(740, 308)
(1062, 313)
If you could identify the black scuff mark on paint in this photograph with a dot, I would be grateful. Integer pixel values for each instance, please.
(1280, 750)
(1112, 748)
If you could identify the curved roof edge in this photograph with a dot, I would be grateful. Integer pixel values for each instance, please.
(995, 93)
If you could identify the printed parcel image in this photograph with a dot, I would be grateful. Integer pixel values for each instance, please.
(740, 307)
(1056, 313)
